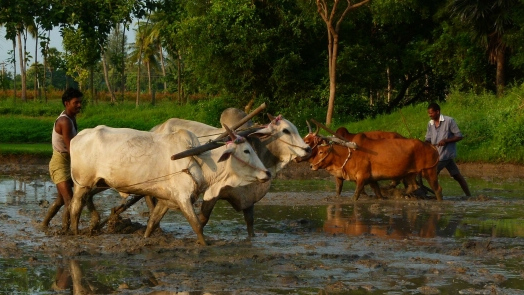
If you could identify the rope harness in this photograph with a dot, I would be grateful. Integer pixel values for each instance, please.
(347, 159)
(153, 180)
(185, 170)
(327, 154)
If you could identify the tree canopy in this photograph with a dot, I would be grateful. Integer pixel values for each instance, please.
(389, 53)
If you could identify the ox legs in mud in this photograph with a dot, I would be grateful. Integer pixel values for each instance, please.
(249, 218)
(187, 209)
(360, 188)
(249, 214)
(80, 197)
(432, 177)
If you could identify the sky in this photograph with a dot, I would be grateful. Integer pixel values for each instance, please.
(56, 41)
(7, 45)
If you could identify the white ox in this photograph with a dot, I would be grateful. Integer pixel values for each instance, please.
(138, 162)
(278, 144)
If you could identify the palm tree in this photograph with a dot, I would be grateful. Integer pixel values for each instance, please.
(151, 52)
(136, 56)
(21, 54)
(159, 22)
(33, 30)
(54, 61)
(145, 51)
(489, 21)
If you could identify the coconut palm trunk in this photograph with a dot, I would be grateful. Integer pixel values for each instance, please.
(14, 67)
(22, 66)
(163, 66)
(106, 77)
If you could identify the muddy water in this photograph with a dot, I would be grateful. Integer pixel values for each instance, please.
(307, 242)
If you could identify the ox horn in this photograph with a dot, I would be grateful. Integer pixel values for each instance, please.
(231, 133)
(308, 127)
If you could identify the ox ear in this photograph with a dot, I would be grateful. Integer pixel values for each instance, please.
(263, 133)
(226, 154)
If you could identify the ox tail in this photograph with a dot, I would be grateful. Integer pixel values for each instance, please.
(438, 157)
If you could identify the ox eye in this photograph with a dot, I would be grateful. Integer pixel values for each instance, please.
(286, 131)
(247, 152)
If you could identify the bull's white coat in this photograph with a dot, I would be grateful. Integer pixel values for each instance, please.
(279, 144)
(138, 162)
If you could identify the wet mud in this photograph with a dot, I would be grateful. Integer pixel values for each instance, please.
(307, 242)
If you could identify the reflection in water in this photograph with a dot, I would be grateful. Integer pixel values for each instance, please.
(399, 223)
(71, 277)
(126, 274)
(18, 189)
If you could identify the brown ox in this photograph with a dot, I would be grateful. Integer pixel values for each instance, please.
(342, 131)
(313, 141)
(379, 159)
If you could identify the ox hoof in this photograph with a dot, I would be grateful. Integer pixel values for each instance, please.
(203, 243)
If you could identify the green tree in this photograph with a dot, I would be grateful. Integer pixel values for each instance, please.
(248, 50)
(333, 18)
(488, 22)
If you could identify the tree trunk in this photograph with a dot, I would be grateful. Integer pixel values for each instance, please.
(14, 67)
(106, 77)
(179, 80)
(333, 33)
(122, 82)
(163, 66)
(46, 51)
(150, 82)
(91, 84)
(389, 84)
(332, 53)
(35, 89)
(138, 77)
(500, 76)
(150, 88)
(22, 67)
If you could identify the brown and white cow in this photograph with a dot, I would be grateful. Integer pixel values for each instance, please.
(139, 162)
(379, 159)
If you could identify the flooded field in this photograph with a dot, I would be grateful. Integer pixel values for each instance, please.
(307, 242)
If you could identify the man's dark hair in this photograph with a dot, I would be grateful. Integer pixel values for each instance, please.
(434, 106)
(71, 93)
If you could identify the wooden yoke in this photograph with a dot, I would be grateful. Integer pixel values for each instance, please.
(341, 140)
(217, 142)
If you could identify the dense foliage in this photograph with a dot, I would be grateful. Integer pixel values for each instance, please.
(391, 53)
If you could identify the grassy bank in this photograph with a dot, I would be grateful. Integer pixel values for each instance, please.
(493, 127)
